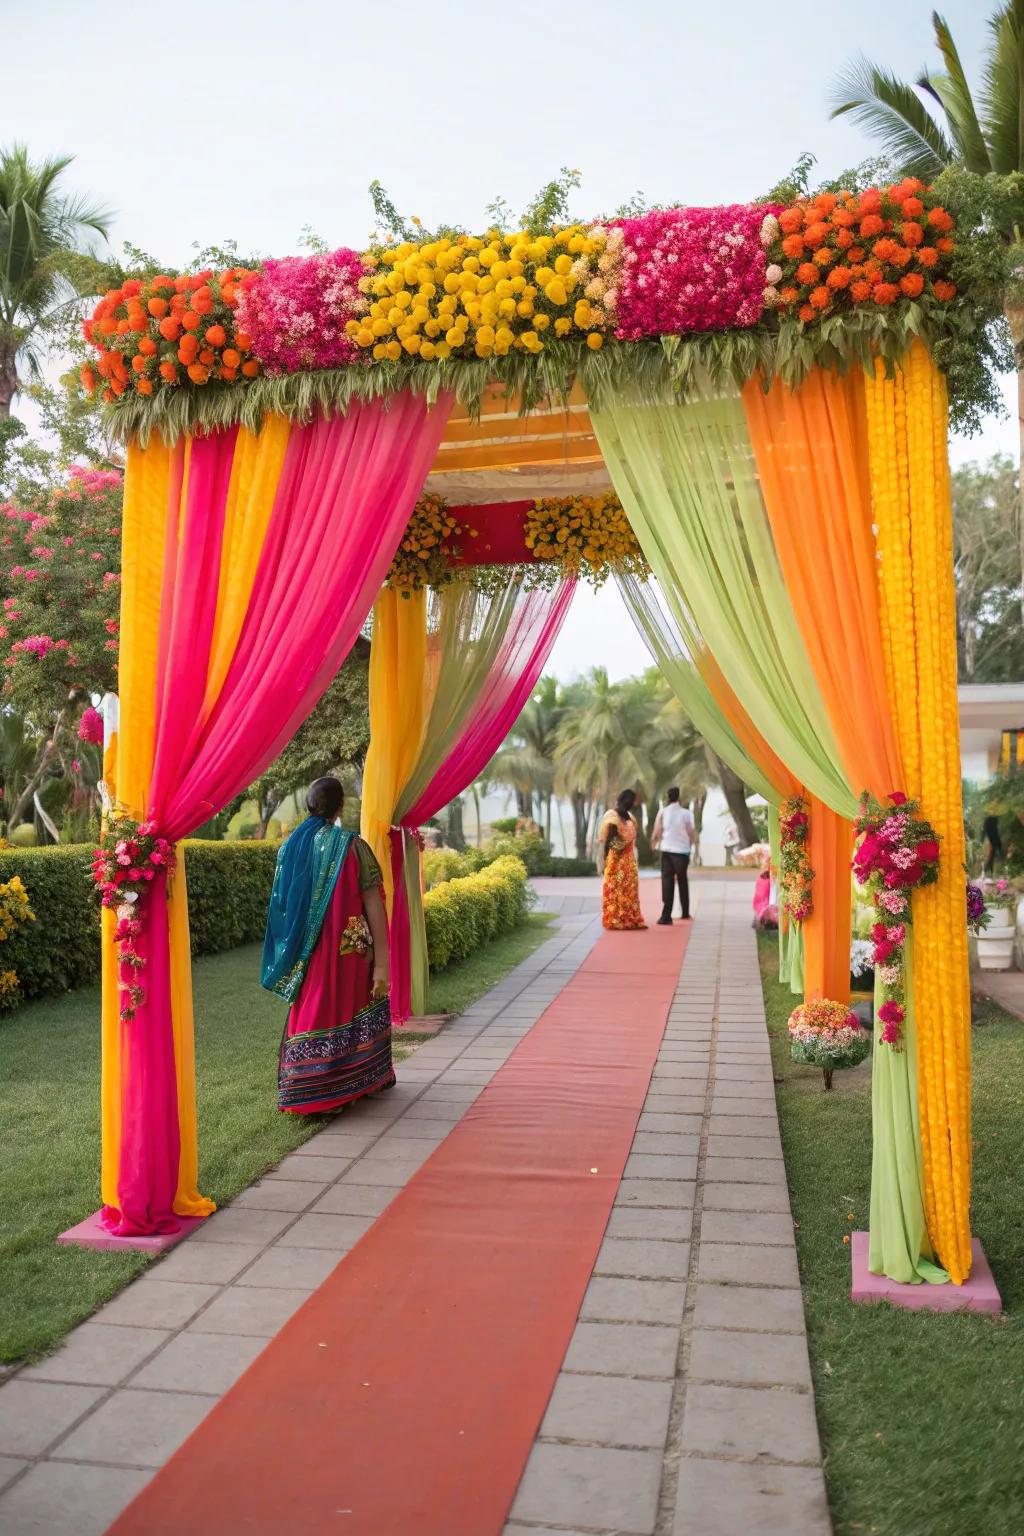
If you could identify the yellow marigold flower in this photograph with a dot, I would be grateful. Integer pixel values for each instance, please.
(563, 265)
(595, 341)
(379, 351)
(393, 350)
(525, 308)
(563, 325)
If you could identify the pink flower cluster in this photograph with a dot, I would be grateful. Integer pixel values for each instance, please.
(39, 645)
(691, 269)
(90, 727)
(123, 869)
(295, 311)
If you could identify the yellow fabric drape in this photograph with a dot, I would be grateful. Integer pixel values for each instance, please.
(255, 472)
(907, 426)
(152, 487)
(398, 711)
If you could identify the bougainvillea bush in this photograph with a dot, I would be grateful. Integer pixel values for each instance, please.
(60, 585)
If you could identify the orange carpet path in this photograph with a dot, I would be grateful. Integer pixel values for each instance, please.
(406, 1394)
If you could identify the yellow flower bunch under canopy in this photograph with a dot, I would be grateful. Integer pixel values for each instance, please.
(587, 536)
(424, 555)
(474, 296)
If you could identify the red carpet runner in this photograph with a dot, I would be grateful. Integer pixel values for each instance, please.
(446, 1326)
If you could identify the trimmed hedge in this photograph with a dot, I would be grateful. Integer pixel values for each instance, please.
(228, 889)
(445, 864)
(464, 913)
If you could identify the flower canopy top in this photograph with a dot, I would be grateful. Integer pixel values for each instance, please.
(674, 298)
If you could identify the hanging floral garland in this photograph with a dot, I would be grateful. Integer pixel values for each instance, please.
(124, 866)
(584, 536)
(796, 873)
(898, 850)
(424, 557)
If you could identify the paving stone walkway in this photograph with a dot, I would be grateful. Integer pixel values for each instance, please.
(684, 1405)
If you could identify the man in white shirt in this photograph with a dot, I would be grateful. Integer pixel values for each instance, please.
(675, 834)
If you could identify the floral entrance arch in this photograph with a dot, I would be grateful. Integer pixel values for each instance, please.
(760, 387)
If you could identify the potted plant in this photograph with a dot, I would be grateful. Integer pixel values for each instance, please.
(995, 932)
(827, 1035)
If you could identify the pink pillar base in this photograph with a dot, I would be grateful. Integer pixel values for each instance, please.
(91, 1233)
(977, 1294)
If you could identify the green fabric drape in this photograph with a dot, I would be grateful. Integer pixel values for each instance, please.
(685, 473)
(898, 1239)
(661, 633)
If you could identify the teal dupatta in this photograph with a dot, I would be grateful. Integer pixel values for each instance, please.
(308, 867)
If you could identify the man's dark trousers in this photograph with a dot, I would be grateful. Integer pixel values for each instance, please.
(673, 870)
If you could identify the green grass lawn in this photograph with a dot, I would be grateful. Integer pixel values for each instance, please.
(49, 1114)
(921, 1414)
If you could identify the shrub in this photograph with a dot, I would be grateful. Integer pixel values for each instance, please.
(229, 888)
(566, 868)
(465, 912)
(444, 864)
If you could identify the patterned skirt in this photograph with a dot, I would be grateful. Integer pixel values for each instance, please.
(322, 1069)
(620, 905)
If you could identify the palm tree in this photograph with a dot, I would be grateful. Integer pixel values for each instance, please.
(603, 746)
(526, 761)
(936, 122)
(42, 231)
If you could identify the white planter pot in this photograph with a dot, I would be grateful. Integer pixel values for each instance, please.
(1000, 917)
(995, 948)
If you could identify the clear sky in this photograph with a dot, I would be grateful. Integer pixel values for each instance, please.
(203, 124)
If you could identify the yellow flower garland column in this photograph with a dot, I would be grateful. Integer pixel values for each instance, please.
(907, 425)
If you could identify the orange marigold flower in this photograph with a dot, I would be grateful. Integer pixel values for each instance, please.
(251, 368)
(912, 207)
(938, 218)
(790, 220)
(88, 379)
(912, 233)
(123, 327)
(885, 293)
(169, 328)
(168, 372)
(144, 386)
(883, 249)
(870, 200)
(820, 297)
(147, 346)
(839, 277)
(816, 234)
(202, 303)
(806, 313)
(897, 192)
(131, 287)
(843, 218)
(871, 225)
(902, 256)
(229, 373)
(190, 320)
(117, 386)
(139, 363)
(844, 239)
(860, 290)
(208, 356)
(825, 202)
(190, 343)
(108, 395)
(807, 272)
(824, 256)
(243, 341)
(198, 373)
(163, 281)
(945, 245)
(230, 357)
(216, 335)
(912, 284)
(793, 247)
(943, 290)
(926, 255)
(856, 253)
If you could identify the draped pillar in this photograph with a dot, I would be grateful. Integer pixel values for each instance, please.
(250, 563)
(480, 663)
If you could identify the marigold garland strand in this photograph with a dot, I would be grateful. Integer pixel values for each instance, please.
(910, 485)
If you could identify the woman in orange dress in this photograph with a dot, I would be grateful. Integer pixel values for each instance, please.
(621, 893)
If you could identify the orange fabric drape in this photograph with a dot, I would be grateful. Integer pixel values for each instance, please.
(811, 450)
(827, 932)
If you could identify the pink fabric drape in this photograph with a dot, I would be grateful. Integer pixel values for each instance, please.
(519, 662)
(347, 488)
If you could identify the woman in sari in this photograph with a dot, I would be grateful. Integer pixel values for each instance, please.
(621, 892)
(326, 953)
